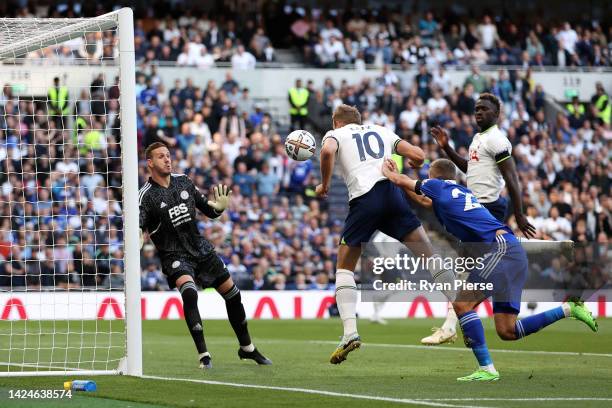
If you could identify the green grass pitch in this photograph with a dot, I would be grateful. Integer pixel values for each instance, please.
(547, 369)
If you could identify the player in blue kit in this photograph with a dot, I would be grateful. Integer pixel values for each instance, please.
(505, 265)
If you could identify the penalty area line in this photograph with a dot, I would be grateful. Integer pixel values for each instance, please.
(420, 402)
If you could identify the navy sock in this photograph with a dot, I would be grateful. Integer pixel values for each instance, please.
(532, 324)
(473, 335)
(236, 315)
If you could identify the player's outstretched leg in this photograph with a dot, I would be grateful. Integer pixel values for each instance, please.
(346, 299)
(237, 318)
(418, 243)
(189, 293)
(574, 309)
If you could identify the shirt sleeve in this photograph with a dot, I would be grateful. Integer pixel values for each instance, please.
(395, 139)
(500, 148)
(330, 135)
(201, 202)
(144, 214)
(429, 187)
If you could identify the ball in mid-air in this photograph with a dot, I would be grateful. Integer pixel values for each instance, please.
(300, 145)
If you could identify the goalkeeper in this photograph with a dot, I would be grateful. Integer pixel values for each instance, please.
(168, 205)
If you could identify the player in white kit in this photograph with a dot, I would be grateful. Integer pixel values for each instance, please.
(375, 204)
(489, 168)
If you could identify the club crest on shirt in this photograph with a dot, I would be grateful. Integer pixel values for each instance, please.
(176, 264)
(184, 195)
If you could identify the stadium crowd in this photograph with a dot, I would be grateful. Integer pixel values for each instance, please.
(371, 37)
(328, 38)
(60, 214)
(60, 194)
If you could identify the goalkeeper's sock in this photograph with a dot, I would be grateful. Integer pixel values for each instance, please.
(346, 300)
(237, 317)
(532, 324)
(189, 293)
(473, 334)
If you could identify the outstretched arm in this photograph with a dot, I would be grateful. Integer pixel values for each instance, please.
(415, 154)
(328, 157)
(213, 209)
(508, 171)
(409, 185)
(441, 137)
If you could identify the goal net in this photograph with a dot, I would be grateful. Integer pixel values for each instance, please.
(69, 257)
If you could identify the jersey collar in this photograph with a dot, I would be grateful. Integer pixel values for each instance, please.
(155, 183)
(489, 128)
(451, 181)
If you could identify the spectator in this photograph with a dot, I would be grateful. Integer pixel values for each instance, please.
(298, 99)
(556, 227)
(487, 33)
(478, 81)
(244, 180)
(204, 60)
(243, 60)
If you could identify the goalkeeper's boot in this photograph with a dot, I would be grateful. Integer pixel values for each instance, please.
(580, 312)
(205, 361)
(347, 344)
(480, 375)
(254, 355)
(440, 336)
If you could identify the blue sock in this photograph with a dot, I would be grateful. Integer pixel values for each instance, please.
(532, 324)
(473, 334)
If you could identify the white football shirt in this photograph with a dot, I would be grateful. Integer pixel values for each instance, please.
(361, 152)
(483, 176)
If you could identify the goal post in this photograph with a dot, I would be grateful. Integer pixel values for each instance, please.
(69, 242)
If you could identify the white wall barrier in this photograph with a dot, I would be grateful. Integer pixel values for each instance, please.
(258, 305)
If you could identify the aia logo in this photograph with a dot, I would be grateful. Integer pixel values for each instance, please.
(474, 153)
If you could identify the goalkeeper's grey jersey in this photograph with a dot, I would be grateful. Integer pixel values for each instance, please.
(169, 216)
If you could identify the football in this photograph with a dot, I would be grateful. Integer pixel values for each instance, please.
(300, 145)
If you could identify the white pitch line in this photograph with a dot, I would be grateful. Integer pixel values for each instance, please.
(316, 392)
(461, 349)
(544, 399)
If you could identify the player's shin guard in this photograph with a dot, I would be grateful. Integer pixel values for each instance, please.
(237, 316)
(346, 299)
(189, 293)
(474, 338)
(532, 324)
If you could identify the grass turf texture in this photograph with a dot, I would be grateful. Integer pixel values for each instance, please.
(300, 351)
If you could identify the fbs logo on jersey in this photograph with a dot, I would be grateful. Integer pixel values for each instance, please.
(179, 214)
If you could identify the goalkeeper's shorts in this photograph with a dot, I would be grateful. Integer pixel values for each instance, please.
(208, 271)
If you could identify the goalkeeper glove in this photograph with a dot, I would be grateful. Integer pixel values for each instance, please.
(222, 198)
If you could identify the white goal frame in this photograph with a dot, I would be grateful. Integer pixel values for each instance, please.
(123, 21)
